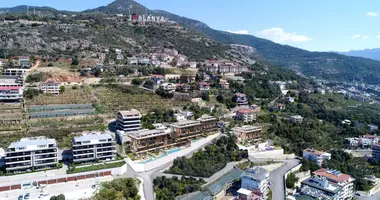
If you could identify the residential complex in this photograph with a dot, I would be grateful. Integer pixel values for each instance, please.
(11, 93)
(92, 147)
(186, 129)
(31, 153)
(208, 123)
(364, 141)
(246, 115)
(328, 184)
(376, 152)
(256, 179)
(248, 132)
(128, 120)
(50, 87)
(316, 156)
(144, 140)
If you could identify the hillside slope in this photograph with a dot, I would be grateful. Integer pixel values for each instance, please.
(366, 53)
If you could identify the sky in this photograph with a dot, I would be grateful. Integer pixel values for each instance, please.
(322, 25)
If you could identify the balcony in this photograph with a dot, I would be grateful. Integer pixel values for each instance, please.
(83, 159)
(44, 157)
(18, 161)
(78, 153)
(17, 156)
(78, 148)
(52, 150)
(45, 162)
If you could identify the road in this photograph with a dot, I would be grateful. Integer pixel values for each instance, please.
(276, 177)
(376, 196)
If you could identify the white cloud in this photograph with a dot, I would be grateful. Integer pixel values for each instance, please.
(245, 32)
(355, 36)
(358, 36)
(372, 14)
(378, 36)
(365, 37)
(279, 35)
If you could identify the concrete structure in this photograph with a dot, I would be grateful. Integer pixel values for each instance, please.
(29, 153)
(50, 87)
(128, 120)
(373, 128)
(157, 78)
(248, 132)
(328, 184)
(15, 72)
(203, 86)
(23, 61)
(169, 87)
(290, 99)
(11, 93)
(376, 152)
(316, 156)
(147, 140)
(208, 123)
(296, 119)
(246, 115)
(223, 84)
(186, 129)
(241, 99)
(11, 81)
(92, 147)
(256, 178)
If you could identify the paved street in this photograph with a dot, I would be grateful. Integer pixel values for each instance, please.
(276, 178)
(374, 197)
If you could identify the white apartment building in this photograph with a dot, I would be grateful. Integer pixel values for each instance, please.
(92, 147)
(50, 87)
(256, 178)
(31, 153)
(128, 120)
(296, 119)
(246, 115)
(316, 156)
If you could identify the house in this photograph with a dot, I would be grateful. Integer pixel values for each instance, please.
(185, 130)
(296, 119)
(208, 123)
(184, 115)
(256, 178)
(93, 146)
(241, 99)
(23, 61)
(144, 61)
(223, 84)
(248, 132)
(255, 108)
(157, 78)
(321, 91)
(12, 93)
(316, 156)
(244, 194)
(128, 120)
(183, 87)
(187, 78)
(31, 153)
(290, 99)
(246, 115)
(146, 140)
(373, 128)
(133, 61)
(328, 184)
(50, 87)
(169, 87)
(203, 86)
(15, 72)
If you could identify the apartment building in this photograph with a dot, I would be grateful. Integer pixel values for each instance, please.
(15, 72)
(376, 152)
(11, 93)
(248, 132)
(203, 86)
(31, 153)
(316, 156)
(328, 184)
(256, 179)
(128, 120)
(92, 147)
(186, 129)
(148, 140)
(241, 99)
(246, 115)
(208, 123)
(50, 87)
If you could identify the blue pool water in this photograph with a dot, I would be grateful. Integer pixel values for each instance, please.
(173, 150)
(146, 161)
(163, 155)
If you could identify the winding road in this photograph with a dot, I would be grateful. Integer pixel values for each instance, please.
(277, 179)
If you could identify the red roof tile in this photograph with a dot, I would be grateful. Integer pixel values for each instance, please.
(10, 87)
(324, 172)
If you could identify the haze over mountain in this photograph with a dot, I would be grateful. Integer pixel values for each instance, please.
(366, 53)
(327, 65)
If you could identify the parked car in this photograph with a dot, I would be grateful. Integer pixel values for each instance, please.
(26, 196)
(20, 197)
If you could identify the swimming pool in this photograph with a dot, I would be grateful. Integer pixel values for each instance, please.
(146, 161)
(173, 150)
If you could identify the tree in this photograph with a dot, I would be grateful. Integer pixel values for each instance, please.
(137, 81)
(59, 197)
(291, 179)
(62, 89)
(31, 93)
(220, 98)
(205, 96)
(75, 61)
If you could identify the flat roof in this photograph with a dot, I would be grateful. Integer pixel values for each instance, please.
(333, 175)
(221, 183)
(247, 128)
(333, 188)
(257, 173)
(206, 118)
(244, 191)
(145, 133)
(127, 113)
(32, 142)
(186, 123)
(92, 137)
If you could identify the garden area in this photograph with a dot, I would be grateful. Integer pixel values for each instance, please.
(94, 167)
(119, 189)
(212, 159)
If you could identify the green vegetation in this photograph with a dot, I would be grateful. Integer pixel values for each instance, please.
(248, 164)
(137, 81)
(308, 165)
(93, 167)
(169, 188)
(157, 115)
(291, 180)
(59, 197)
(31, 93)
(119, 189)
(212, 159)
(37, 77)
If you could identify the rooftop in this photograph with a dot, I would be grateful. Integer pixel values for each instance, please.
(245, 111)
(185, 123)
(244, 191)
(32, 142)
(316, 152)
(195, 196)
(314, 183)
(240, 94)
(332, 175)
(256, 173)
(145, 133)
(129, 113)
(92, 137)
(220, 184)
(247, 128)
(206, 118)
(51, 81)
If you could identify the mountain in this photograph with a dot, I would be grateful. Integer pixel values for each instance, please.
(366, 53)
(327, 65)
(24, 9)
